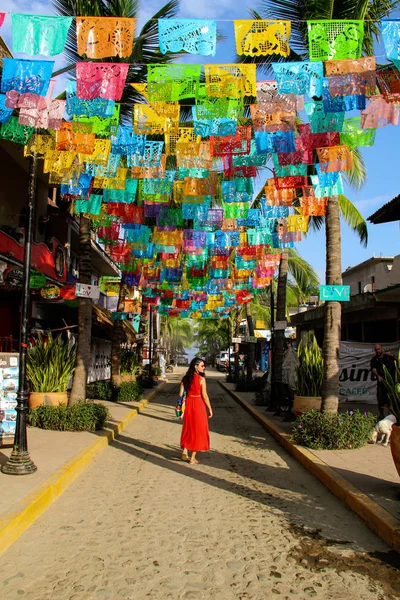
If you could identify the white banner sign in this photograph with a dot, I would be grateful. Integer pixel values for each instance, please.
(87, 291)
(100, 364)
(356, 383)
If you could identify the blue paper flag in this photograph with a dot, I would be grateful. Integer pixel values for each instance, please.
(194, 36)
(26, 76)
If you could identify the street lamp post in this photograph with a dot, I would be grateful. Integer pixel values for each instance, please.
(150, 340)
(20, 462)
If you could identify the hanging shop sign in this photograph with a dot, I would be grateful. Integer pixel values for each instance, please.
(236, 340)
(68, 292)
(37, 280)
(14, 277)
(9, 376)
(87, 291)
(251, 339)
(119, 316)
(334, 293)
(50, 291)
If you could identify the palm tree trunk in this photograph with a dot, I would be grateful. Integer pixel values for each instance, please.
(116, 339)
(333, 310)
(250, 346)
(279, 334)
(78, 391)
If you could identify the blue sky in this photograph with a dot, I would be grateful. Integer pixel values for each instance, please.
(382, 160)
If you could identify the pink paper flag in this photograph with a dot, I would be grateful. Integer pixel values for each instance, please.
(100, 80)
(2, 16)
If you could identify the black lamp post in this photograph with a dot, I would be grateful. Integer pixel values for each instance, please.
(20, 462)
(150, 341)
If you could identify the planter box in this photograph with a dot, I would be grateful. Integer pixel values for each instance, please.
(302, 404)
(47, 399)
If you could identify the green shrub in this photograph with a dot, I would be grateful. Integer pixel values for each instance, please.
(129, 362)
(100, 390)
(50, 363)
(327, 431)
(85, 416)
(310, 370)
(128, 391)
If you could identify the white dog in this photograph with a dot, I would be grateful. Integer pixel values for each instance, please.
(383, 429)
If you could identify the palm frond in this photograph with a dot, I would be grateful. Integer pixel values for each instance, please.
(354, 219)
(301, 271)
(357, 176)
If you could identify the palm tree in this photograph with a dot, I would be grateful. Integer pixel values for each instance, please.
(298, 12)
(116, 337)
(145, 51)
(176, 334)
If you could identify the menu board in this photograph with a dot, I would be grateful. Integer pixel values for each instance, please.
(9, 373)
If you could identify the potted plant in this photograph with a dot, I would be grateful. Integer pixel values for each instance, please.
(310, 370)
(392, 383)
(50, 366)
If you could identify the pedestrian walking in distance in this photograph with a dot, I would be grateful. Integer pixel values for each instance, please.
(195, 434)
(382, 358)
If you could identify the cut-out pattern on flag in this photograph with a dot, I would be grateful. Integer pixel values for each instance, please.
(67, 139)
(299, 78)
(315, 140)
(128, 142)
(232, 144)
(40, 145)
(25, 76)
(269, 96)
(354, 136)
(321, 121)
(91, 206)
(214, 108)
(341, 103)
(155, 118)
(177, 140)
(5, 112)
(149, 172)
(192, 36)
(220, 126)
(100, 126)
(335, 158)
(100, 80)
(13, 131)
(311, 206)
(194, 155)
(388, 79)
(335, 40)
(87, 108)
(172, 82)
(232, 81)
(391, 37)
(151, 157)
(39, 34)
(102, 37)
(379, 113)
(262, 38)
(346, 67)
(277, 196)
(276, 141)
(265, 119)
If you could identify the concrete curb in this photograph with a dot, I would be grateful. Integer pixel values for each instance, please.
(377, 518)
(16, 521)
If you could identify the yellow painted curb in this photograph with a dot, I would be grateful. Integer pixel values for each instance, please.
(376, 517)
(16, 521)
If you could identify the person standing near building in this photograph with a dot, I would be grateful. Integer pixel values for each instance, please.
(378, 361)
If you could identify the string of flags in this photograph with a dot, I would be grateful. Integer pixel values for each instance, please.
(170, 198)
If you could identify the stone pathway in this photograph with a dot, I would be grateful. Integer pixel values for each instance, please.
(247, 523)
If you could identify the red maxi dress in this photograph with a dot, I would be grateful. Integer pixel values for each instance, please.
(195, 434)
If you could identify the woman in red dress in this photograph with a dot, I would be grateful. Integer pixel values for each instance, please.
(195, 435)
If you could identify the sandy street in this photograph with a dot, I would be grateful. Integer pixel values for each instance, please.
(247, 523)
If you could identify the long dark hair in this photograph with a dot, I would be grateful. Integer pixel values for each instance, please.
(190, 373)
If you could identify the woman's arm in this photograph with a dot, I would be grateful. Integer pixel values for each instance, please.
(205, 397)
(181, 389)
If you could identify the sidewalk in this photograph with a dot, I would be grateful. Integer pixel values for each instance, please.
(60, 458)
(365, 479)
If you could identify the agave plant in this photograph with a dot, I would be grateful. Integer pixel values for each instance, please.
(310, 369)
(50, 364)
(392, 383)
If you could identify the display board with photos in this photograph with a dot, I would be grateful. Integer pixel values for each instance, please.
(9, 374)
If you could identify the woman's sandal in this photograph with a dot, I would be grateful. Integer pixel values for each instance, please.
(185, 457)
(194, 461)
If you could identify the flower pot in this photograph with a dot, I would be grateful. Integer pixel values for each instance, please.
(47, 399)
(128, 378)
(302, 404)
(395, 446)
